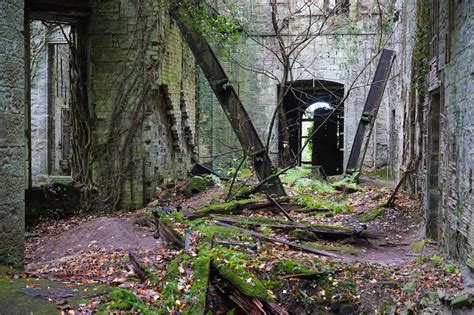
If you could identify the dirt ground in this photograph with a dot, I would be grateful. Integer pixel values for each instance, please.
(95, 249)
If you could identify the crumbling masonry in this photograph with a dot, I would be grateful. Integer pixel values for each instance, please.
(139, 93)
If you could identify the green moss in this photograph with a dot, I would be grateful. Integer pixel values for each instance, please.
(201, 265)
(231, 265)
(13, 299)
(234, 204)
(311, 202)
(196, 185)
(219, 231)
(303, 234)
(300, 267)
(348, 183)
(374, 214)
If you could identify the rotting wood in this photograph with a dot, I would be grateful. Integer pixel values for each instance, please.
(273, 201)
(280, 241)
(250, 305)
(169, 235)
(137, 267)
(230, 102)
(321, 232)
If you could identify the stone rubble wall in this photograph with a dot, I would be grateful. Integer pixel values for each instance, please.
(166, 146)
(12, 134)
(337, 55)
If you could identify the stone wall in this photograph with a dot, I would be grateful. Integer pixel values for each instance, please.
(455, 69)
(139, 61)
(443, 178)
(12, 141)
(339, 54)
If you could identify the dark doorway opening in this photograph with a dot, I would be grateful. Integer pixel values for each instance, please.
(307, 106)
(52, 28)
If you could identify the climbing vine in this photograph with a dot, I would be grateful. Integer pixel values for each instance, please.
(421, 48)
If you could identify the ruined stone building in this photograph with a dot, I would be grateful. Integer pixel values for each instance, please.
(116, 76)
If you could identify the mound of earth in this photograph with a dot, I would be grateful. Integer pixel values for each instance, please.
(101, 232)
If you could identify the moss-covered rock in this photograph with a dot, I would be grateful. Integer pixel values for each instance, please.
(196, 185)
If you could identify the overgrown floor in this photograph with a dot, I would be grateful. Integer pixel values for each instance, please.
(380, 264)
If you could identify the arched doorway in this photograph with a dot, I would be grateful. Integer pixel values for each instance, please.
(309, 109)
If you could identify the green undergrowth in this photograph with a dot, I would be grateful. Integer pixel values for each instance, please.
(208, 231)
(348, 183)
(247, 221)
(232, 265)
(312, 202)
(313, 185)
(124, 300)
(302, 179)
(292, 175)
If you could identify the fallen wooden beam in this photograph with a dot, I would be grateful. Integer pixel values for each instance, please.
(169, 235)
(280, 241)
(137, 267)
(273, 201)
(330, 233)
(238, 209)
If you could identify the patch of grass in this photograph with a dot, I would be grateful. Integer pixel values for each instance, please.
(418, 246)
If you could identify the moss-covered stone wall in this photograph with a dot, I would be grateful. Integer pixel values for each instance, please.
(12, 140)
(139, 63)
